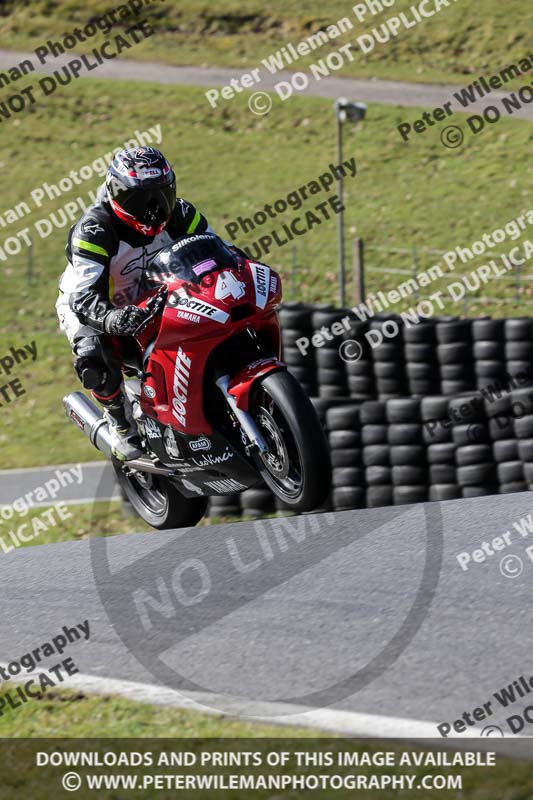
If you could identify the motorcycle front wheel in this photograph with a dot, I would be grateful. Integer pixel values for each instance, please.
(297, 465)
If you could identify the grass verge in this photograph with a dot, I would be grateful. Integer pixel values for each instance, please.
(462, 40)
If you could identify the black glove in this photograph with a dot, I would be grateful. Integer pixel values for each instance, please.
(126, 321)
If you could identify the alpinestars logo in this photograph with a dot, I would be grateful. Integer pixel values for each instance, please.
(142, 262)
(181, 387)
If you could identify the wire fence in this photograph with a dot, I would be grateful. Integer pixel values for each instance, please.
(381, 266)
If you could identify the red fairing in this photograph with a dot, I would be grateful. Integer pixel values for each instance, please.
(197, 318)
(242, 383)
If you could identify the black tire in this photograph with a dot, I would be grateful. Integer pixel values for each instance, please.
(528, 471)
(451, 388)
(492, 350)
(432, 408)
(519, 328)
(420, 352)
(405, 475)
(403, 410)
(510, 472)
(442, 473)
(519, 351)
(466, 408)
(524, 427)
(441, 453)
(343, 417)
(329, 359)
(409, 454)
(437, 431)
(348, 476)
(421, 372)
(473, 454)
(386, 351)
(348, 497)
(476, 491)
(373, 413)
(378, 476)
(296, 316)
(473, 433)
(376, 455)
(445, 491)
(261, 500)
(476, 475)
(405, 433)
(501, 426)
(377, 496)
(489, 369)
(299, 471)
(453, 332)
(343, 439)
(513, 488)
(488, 329)
(335, 392)
(422, 333)
(361, 386)
(346, 457)
(505, 450)
(409, 494)
(374, 434)
(158, 501)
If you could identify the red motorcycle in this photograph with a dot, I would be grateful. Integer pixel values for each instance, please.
(217, 409)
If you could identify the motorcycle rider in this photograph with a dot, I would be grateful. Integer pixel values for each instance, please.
(136, 214)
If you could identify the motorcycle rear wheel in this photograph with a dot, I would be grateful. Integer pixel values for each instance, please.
(297, 467)
(157, 501)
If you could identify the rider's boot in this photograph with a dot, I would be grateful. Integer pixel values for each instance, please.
(125, 440)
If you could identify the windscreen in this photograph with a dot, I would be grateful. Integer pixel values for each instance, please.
(190, 259)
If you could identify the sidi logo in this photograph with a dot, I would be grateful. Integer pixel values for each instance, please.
(181, 387)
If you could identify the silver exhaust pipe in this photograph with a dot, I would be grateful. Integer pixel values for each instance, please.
(90, 420)
(88, 417)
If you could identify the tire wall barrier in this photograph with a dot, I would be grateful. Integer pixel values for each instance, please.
(438, 410)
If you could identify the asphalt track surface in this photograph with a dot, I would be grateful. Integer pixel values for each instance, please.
(97, 483)
(359, 611)
(395, 93)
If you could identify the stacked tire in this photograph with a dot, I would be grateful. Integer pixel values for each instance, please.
(454, 352)
(407, 451)
(388, 356)
(522, 412)
(421, 362)
(488, 348)
(297, 324)
(440, 453)
(376, 454)
(331, 372)
(476, 469)
(344, 435)
(519, 349)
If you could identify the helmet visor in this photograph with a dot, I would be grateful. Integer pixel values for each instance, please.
(151, 206)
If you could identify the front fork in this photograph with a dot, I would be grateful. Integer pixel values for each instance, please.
(246, 421)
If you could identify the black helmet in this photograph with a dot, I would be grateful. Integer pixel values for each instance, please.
(141, 188)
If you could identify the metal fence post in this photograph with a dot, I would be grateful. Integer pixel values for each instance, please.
(358, 249)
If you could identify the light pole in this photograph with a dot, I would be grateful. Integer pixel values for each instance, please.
(345, 111)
